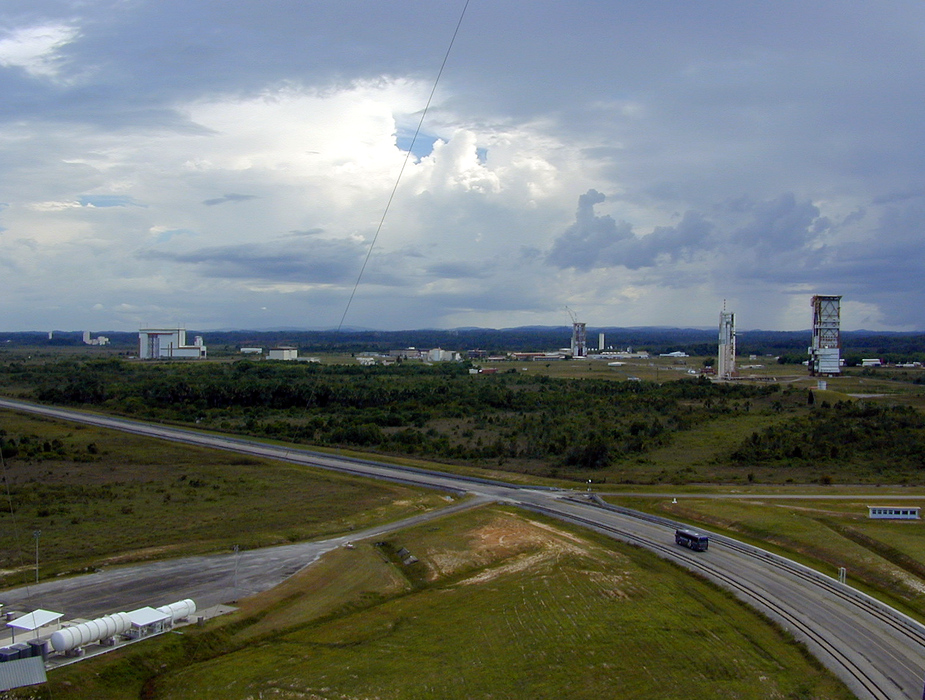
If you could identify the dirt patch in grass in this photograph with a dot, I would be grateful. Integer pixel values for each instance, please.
(512, 540)
(503, 537)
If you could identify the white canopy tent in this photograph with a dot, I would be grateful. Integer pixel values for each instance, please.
(31, 622)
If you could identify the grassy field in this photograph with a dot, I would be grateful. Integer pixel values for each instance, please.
(498, 605)
(879, 555)
(102, 497)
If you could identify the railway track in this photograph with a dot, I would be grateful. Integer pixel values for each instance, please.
(843, 662)
(873, 606)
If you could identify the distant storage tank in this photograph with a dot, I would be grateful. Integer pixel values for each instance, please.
(68, 638)
(179, 610)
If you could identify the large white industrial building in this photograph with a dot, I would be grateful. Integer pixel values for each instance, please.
(167, 343)
(284, 352)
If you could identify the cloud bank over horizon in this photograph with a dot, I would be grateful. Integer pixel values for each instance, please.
(229, 166)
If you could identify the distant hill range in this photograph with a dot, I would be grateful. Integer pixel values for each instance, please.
(694, 341)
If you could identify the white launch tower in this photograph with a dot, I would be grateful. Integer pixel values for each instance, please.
(726, 356)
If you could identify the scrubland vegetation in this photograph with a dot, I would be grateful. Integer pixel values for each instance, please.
(590, 427)
(100, 497)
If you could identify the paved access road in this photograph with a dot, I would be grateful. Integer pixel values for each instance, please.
(209, 580)
(876, 650)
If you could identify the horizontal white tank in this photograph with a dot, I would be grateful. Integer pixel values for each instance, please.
(68, 638)
(178, 610)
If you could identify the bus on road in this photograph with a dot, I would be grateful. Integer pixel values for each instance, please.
(692, 540)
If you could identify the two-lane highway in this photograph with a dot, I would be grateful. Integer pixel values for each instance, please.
(876, 650)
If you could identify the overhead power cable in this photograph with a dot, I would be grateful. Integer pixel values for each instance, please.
(403, 165)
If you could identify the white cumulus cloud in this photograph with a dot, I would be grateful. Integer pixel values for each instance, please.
(37, 49)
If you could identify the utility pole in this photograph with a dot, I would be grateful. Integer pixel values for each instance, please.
(237, 549)
(36, 535)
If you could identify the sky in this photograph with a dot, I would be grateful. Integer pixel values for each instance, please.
(236, 165)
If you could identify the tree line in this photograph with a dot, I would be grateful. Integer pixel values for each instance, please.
(439, 411)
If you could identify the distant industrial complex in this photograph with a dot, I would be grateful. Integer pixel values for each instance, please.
(166, 343)
(824, 351)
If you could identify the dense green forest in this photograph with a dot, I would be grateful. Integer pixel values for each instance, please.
(512, 420)
(887, 438)
(529, 423)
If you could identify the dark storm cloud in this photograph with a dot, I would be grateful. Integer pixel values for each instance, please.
(145, 58)
(598, 241)
(780, 224)
(306, 232)
(780, 241)
(322, 262)
(894, 264)
(894, 197)
(787, 243)
(459, 270)
(885, 270)
(229, 198)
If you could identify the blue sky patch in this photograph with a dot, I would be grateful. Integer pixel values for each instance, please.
(102, 201)
(423, 144)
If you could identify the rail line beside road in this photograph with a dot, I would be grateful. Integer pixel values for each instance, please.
(851, 664)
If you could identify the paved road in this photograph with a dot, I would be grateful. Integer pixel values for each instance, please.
(877, 651)
(841, 626)
(870, 496)
(208, 580)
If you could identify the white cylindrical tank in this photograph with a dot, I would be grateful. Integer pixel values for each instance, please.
(68, 638)
(178, 610)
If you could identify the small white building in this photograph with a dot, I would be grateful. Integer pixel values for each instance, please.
(893, 512)
(871, 362)
(251, 351)
(284, 352)
(167, 343)
(147, 621)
